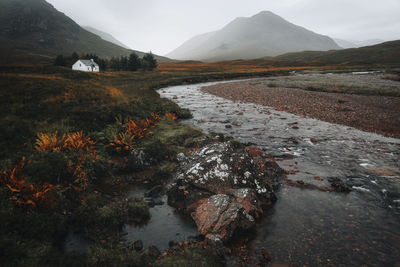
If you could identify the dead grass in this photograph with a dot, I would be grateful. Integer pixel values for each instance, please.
(237, 66)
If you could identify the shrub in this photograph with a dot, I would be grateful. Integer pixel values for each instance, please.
(138, 209)
(24, 192)
(109, 216)
(94, 213)
(100, 257)
(191, 258)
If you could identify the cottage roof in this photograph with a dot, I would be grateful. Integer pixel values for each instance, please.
(89, 62)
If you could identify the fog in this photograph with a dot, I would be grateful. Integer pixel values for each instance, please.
(163, 25)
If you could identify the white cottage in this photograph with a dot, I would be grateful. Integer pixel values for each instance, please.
(86, 65)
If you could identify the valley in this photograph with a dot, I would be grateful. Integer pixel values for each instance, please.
(257, 143)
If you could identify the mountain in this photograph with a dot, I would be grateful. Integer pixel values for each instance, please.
(35, 26)
(344, 43)
(368, 42)
(354, 44)
(105, 36)
(387, 53)
(264, 34)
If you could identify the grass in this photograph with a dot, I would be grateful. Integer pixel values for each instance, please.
(38, 102)
(193, 257)
(385, 54)
(38, 98)
(138, 209)
(44, 99)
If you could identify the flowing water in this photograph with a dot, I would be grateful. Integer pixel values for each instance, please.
(311, 227)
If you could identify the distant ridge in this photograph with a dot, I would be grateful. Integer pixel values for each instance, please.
(105, 36)
(355, 44)
(36, 26)
(264, 34)
(387, 53)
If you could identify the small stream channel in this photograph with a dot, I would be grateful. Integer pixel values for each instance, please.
(165, 225)
(310, 227)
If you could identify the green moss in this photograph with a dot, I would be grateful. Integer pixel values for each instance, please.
(100, 257)
(190, 258)
(94, 213)
(237, 144)
(138, 209)
(174, 133)
(109, 216)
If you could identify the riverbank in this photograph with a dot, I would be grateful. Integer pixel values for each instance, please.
(309, 225)
(72, 145)
(360, 101)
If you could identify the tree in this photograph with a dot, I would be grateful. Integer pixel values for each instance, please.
(115, 64)
(134, 62)
(74, 57)
(102, 64)
(124, 63)
(60, 61)
(149, 62)
(90, 56)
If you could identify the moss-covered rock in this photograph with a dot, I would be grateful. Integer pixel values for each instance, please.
(138, 210)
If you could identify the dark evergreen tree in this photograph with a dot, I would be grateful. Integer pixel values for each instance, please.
(149, 62)
(74, 57)
(115, 64)
(102, 64)
(124, 63)
(90, 56)
(60, 61)
(133, 62)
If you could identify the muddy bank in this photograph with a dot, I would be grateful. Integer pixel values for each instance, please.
(301, 95)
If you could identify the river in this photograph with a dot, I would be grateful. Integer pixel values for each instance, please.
(305, 226)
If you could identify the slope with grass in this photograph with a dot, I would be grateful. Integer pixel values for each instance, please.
(59, 139)
(36, 26)
(105, 36)
(382, 54)
(66, 139)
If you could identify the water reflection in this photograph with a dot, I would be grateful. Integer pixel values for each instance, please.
(165, 225)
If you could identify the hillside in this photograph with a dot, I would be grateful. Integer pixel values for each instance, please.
(105, 36)
(36, 26)
(344, 43)
(386, 53)
(355, 44)
(264, 34)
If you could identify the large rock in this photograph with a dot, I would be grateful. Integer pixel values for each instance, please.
(224, 187)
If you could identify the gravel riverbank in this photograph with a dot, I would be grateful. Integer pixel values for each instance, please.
(379, 114)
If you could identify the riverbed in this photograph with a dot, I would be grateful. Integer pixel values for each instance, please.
(306, 226)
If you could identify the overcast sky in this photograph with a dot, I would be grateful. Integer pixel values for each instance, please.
(163, 25)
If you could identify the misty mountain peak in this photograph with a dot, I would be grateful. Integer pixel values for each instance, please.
(264, 34)
(265, 13)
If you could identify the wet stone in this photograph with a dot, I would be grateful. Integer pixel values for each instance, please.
(224, 187)
(154, 192)
(138, 245)
(152, 251)
(139, 160)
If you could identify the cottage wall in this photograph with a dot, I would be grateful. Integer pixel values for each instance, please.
(80, 66)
